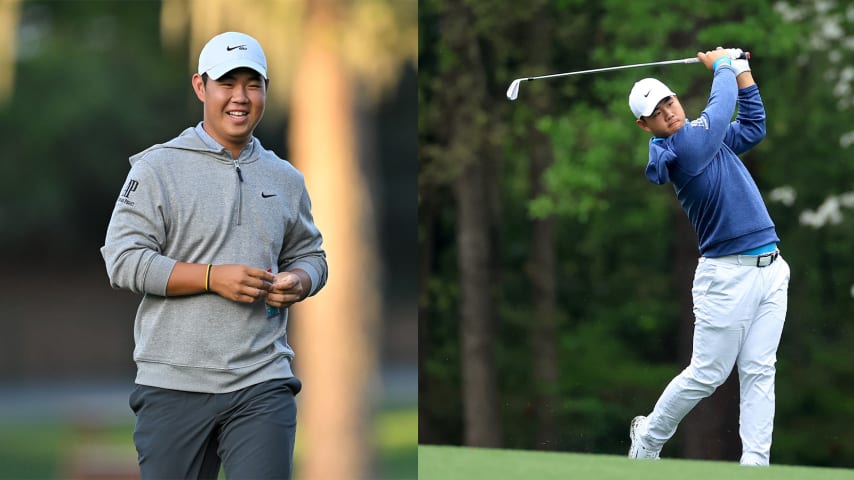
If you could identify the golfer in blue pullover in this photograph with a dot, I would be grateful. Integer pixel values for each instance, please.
(741, 282)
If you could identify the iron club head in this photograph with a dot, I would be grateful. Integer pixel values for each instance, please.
(513, 91)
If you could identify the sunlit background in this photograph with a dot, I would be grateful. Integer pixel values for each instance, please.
(86, 84)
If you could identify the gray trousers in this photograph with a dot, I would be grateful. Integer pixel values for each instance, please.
(188, 435)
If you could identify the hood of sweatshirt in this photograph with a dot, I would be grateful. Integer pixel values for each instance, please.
(661, 159)
(190, 140)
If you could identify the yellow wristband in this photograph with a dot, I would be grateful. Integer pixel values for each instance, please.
(208, 279)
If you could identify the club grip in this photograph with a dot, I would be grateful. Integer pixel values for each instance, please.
(745, 56)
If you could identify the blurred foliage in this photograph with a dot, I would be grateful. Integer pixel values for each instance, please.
(93, 87)
(615, 235)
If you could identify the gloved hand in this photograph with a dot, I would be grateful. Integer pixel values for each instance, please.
(734, 53)
(740, 65)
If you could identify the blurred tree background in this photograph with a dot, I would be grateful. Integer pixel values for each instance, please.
(554, 279)
(85, 84)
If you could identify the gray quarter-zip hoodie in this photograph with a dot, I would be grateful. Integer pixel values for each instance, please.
(189, 200)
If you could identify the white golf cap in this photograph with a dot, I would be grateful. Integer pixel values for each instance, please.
(645, 96)
(231, 50)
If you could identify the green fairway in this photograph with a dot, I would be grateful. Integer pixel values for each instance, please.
(452, 463)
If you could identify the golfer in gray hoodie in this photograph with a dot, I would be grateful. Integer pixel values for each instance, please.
(216, 234)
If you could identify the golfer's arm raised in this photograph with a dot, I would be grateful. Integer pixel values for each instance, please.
(744, 80)
(239, 283)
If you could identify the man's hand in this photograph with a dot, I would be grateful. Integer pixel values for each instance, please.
(708, 57)
(288, 288)
(240, 283)
(739, 64)
(735, 53)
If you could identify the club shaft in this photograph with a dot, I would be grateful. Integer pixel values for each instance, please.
(513, 90)
(621, 67)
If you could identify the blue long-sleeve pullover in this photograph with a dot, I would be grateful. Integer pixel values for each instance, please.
(701, 160)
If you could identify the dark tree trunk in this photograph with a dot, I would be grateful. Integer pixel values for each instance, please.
(541, 267)
(468, 147)
(426, 214)
(480, 391)
(545, 374)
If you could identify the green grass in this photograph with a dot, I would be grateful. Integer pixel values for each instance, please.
(23, 450)
(47, 450)
(452, 463)
(396, 437)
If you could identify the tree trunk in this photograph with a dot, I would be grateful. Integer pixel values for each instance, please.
(710, 431)
(336, 332)
(541, 274)
(463, 99)
(541, 267)
(426, 217)
(480, 392)
(10, 14)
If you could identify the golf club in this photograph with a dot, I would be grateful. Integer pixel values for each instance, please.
(513, 91)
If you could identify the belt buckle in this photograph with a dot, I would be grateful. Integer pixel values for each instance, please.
(770, 256)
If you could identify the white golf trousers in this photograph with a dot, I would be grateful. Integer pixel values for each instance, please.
(739, 314)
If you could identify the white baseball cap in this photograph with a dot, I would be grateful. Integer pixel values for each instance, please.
(231, 50)
(645, 96)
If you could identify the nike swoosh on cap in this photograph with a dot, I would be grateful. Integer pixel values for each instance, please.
(242, 47)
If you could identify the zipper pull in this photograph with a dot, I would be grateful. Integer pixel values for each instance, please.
(237, 168)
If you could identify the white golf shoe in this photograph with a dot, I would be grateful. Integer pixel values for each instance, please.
(638, 449)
